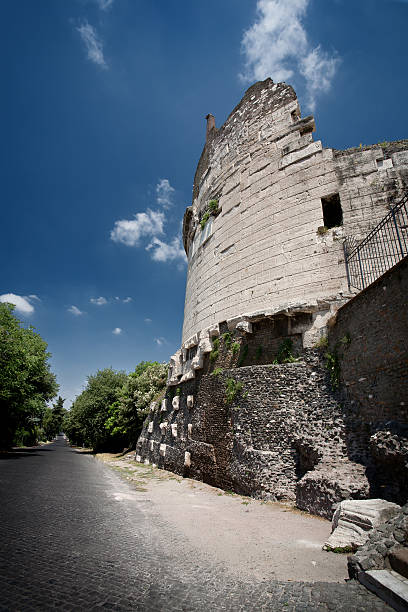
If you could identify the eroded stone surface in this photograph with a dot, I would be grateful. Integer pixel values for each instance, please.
(353, 520)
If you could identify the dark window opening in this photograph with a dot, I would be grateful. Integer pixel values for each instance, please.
(191, 353)
(332, 212)
(295, 115)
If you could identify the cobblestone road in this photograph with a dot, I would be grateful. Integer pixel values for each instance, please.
(73, 537)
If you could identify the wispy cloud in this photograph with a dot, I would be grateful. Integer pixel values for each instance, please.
(277, 45)
(127, 300)
(160, 341)
(75, 311)
(105, 5)
(21, 303)
(100, 301)
(129, 232)
(93, 44)
(147, 320)
(34, 297)
(162, 251)
(117, 331)
(164, 193)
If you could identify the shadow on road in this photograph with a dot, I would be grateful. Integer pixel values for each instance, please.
(19, 453)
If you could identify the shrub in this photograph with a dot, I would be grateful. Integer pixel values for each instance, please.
(232, 389)
(235, 347)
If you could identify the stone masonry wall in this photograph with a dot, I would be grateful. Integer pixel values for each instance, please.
(287, 435)
(370, 338)
(283, 425)
(264, 252)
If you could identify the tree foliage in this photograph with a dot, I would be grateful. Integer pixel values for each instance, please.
(26, 381)
(142, 386)
(109, 413)
(53, 419)
(85, 423)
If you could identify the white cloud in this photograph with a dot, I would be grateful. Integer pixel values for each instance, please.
(100, 301)
(129, 232)
(93, 44)
(164, 192)
(117, 331)
(150, 224)
(104, 5)
(34, 297)
(127, 300)
(277, 45)
(159, 341)
(162, 251)
(21, 303)
(75, 311)
(148, 320)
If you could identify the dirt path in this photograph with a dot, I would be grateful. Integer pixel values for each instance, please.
(254, 539)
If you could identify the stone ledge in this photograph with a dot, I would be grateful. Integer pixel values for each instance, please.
(388, 585)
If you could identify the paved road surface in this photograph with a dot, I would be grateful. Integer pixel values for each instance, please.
(73, 537)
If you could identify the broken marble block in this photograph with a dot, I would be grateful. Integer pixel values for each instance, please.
(150, 427)
(164, 405)
(187, 459)
(162, 450)
(190, 401)
(138, 459)
(163, 427)
(174, 430)
(176, 402)
(153, 406)
(190, 429)
(355, 518)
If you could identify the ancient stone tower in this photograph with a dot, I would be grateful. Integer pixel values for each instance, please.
(272, 247)
(266, 272)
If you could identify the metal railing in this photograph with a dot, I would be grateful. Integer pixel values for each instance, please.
(381, 249)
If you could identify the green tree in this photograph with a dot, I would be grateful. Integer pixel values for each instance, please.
(26, 381)
(142, 386)
(53, 419)
(85, 422)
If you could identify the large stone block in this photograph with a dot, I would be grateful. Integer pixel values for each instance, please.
(354, 519)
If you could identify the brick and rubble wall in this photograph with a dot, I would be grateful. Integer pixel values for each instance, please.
(283, 423)
(369, 338)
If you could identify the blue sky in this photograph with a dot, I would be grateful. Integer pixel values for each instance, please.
(103, 105)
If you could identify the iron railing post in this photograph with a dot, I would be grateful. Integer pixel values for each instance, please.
(396, 229)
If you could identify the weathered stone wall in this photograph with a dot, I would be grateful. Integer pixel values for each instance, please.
(283, 425)
(370, 339)
(264, 252)
(264, 270)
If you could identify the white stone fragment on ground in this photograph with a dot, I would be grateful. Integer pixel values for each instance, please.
(153, 406)
(190, 429)
(164, 405)
(187, 459)
(176, 402)
(146, 462)
(354, 519)
(174, 430)
(138, 459)
(151, 445)
(190, 401)
(162, 450)
(150, 427)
